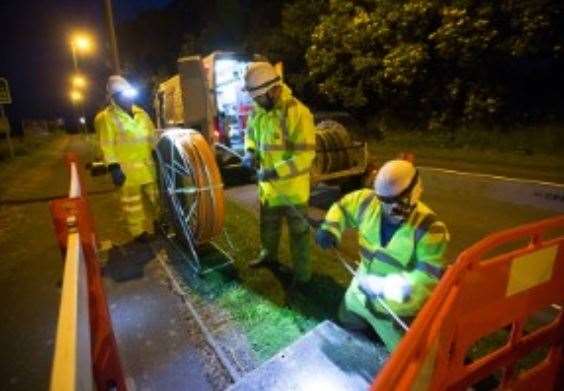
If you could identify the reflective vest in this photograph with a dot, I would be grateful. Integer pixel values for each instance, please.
(416, 249)
(128, 141)
(283, 139)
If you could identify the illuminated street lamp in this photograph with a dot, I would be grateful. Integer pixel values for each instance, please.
(80, 43)
(76, 96)
(79, 81)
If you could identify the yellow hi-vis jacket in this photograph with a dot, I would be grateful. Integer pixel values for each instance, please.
(416, 249)
(283, 139)
(128, 141)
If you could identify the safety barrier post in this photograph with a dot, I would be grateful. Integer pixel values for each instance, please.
(494, 288)
(72, 363)
(106, 366)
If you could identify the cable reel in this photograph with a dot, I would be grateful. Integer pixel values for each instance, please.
(191, 189)
(332, 144)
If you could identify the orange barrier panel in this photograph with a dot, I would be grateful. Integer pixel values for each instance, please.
(107, 368)
(491, 293)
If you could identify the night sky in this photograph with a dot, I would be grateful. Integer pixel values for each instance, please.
(36, 57)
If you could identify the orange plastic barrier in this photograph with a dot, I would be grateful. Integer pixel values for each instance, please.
(107, 368)
(489, 292)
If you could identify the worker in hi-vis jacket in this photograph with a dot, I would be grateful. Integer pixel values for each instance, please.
(280, 145)
(402, 246)
(126, 134)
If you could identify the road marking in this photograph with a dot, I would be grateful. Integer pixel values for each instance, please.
(498, 177)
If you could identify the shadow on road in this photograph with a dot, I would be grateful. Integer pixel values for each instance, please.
(128, 261)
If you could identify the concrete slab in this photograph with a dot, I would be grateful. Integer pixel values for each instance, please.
(327, 358)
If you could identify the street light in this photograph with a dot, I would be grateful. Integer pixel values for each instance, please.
(82, 43)
(76, 96)
(79, 81)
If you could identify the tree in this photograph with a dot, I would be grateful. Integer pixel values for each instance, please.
(286, 38)
(443, 62)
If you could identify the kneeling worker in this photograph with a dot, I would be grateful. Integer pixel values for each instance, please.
(126, 133)
(402, 244)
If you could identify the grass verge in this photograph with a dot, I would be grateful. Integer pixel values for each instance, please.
(515, 154)
(269, 311)
(24, 145)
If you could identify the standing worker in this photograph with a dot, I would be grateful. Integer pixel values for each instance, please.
(402, 244)
(126, 133)
(280, 145)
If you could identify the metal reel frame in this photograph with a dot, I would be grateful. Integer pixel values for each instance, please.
(180, 199)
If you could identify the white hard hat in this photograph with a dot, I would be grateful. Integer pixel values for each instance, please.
(260, 77)
(397, 179)
(117, 84)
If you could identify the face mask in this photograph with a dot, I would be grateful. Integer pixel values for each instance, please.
(266, 102)
(124, 102)
(398, 212)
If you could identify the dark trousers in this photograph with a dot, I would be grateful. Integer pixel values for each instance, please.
(270, 230)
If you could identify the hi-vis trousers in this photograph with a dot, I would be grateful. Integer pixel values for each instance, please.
(139, 203)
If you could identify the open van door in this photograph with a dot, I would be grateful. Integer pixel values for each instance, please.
(195, 96)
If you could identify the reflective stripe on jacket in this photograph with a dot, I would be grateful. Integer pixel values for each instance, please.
(416, 249)
(128, 141)
(283, 139)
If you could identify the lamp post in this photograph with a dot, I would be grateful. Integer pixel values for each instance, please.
(79, 43)
(112, 33)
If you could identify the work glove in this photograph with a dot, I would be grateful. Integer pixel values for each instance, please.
(118, 177)
(325, 239)
(249, 161)
(394, 287)
(266, 175)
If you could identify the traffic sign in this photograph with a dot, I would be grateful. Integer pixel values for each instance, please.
(5, 97)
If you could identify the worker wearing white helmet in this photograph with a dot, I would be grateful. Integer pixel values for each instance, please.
(402, 244)
(280, 145)
(126, 133)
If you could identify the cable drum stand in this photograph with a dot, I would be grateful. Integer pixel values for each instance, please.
(191, 195)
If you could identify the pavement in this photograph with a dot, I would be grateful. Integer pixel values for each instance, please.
(161, 346)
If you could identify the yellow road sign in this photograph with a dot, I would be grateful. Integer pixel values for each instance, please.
(5, 97)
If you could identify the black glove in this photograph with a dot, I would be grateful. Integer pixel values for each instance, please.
(266, 174)
(325, 239)
(118, 177)
(249, 161)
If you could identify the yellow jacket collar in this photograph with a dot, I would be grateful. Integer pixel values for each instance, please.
(134, 108)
